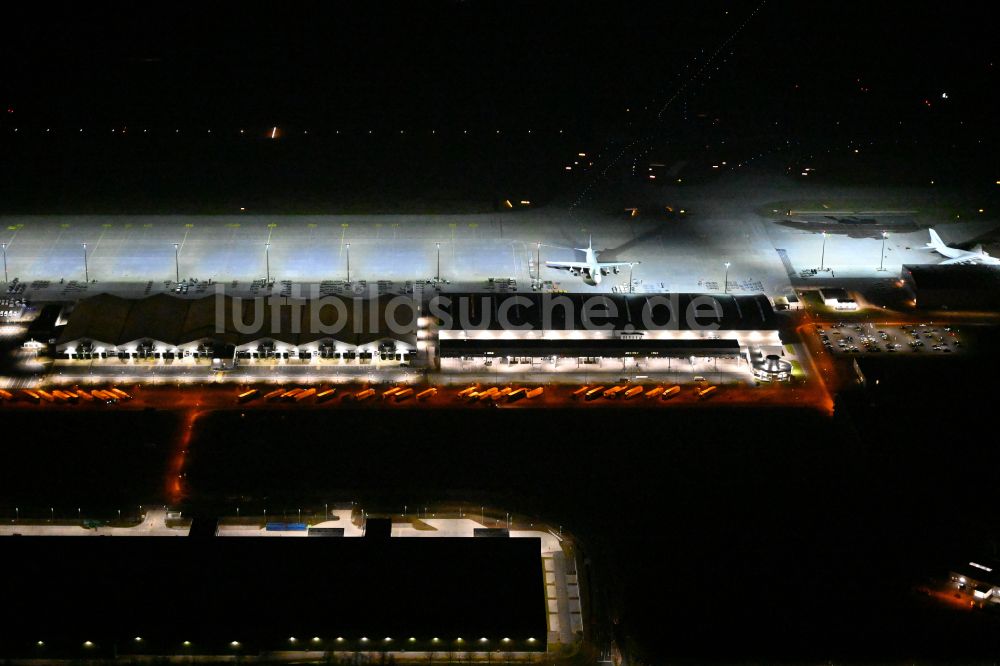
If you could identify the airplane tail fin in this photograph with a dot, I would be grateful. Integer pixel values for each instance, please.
(936, 241)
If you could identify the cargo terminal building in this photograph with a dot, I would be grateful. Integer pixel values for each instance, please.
(613, 333)
(166, 328)
(454, 333)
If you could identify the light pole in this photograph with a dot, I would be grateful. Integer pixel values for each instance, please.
(438, 278)
(177, 263)
(267, 262)
(4, 246)
(822, 256)
(725, 283)
(538, 261)
(881, 264)
(348, 246)
(86, 271)
(631, 282)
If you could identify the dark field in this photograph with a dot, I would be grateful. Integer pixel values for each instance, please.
(321, 172)
(94, 462)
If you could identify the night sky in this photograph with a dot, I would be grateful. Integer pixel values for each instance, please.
(509, 64)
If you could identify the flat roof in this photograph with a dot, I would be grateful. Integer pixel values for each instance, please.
(986, 571)
(834, 293)
(543, 311)
(173, 320)
(966, 277)
(612, 347)
(260, 591)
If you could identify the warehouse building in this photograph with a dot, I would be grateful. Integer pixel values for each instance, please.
(954, 286)
(167, 328)
(563, 332)
(981, 579)
(444, 599)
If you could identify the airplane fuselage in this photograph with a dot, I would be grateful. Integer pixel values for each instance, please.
(591, 270)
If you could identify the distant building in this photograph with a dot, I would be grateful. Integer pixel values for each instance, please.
(770, 368)
(954, 286)
(789, 302)
(837, 298)
(982, 578)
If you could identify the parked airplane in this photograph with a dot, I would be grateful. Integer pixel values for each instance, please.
(590, 269)
(956, 256)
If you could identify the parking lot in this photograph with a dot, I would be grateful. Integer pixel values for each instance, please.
(871, 338)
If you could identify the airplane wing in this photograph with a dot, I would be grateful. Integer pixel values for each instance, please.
(614, 264)
(568, 265)
(960, 260)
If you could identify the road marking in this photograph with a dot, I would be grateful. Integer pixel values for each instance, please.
(97, 244)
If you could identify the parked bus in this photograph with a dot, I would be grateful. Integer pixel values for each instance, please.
(83, 394)
(517, 394)
(633, 392)
(247, 396)
(670, 392)
(534, 393)
(391, 392)
(45, 395)
(613, 392)
(290, 395)
(107, 397)
(364, 395)
(464, 393)
(594, 393)
(121, 394)
(299, 397)
(6, 395)
(30, 396)
(488, 393)
(427, 393)
(326, 395)
(62, 396)
(402, 394)
(653, 392)
(580, 392)
(274, 395)
(707, 391)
